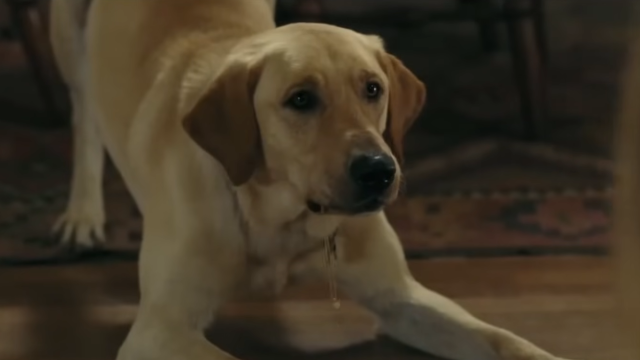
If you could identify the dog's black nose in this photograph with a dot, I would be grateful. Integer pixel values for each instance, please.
(373, 174)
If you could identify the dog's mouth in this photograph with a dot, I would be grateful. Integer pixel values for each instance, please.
(368, 205)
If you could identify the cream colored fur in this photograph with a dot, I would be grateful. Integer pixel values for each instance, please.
(225, 214)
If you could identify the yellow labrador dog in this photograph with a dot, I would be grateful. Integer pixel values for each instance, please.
(245, 147)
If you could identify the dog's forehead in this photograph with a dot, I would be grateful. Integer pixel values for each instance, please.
(324, 47)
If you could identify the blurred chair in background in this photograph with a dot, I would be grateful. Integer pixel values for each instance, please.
(524, 21)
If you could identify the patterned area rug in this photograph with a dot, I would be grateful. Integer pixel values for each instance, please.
(432, 227)
(488, 199)
(505, 198)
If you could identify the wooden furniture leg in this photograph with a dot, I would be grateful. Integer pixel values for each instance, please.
(528, 65)
(31, 30)
(540, 28)
(487, 28)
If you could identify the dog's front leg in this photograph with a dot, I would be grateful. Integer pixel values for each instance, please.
(185, 276)
(374, 272)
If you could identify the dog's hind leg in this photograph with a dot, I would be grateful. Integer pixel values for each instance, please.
(82, 222)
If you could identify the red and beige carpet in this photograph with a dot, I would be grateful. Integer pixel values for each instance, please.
(486, 199)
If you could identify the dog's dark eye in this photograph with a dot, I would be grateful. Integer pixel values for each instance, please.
(373, 90)
(303, 100)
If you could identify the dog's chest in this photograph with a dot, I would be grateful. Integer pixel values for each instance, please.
(277, 258)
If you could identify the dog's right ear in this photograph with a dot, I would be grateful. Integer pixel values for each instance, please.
(223, 122)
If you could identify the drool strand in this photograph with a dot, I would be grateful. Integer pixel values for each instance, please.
(331, 256)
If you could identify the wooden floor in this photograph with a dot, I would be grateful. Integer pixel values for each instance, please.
(83, 311)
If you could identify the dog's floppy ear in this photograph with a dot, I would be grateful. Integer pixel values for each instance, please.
(406, 98)
(223, 122)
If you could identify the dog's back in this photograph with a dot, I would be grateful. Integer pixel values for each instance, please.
(112, 54)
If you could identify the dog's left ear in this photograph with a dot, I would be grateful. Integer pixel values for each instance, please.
(407, 96)
(223, 121)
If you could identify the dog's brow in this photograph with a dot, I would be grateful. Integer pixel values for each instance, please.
(368, 75)
(312, 81)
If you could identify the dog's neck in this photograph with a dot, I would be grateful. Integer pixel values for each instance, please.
(272, 207)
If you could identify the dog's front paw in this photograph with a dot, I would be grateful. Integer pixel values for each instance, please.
(81, 230)
(527, 353)
(511, 347)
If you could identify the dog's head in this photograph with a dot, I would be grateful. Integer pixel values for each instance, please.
(320, 107)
